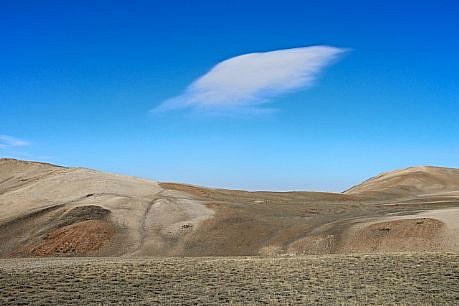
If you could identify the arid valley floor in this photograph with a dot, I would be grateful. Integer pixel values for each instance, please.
(75, 235)
(422, 279)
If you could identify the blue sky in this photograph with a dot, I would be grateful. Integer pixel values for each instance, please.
(80, 82)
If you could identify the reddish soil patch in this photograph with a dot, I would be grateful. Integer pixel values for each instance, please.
(194, 190)
(420, 234)
(82, 238)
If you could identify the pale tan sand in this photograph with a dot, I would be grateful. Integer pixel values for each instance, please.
(47, 210)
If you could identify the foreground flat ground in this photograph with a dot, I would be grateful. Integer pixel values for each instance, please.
(424, 279)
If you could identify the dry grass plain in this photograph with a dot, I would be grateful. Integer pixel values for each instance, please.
(395, 279)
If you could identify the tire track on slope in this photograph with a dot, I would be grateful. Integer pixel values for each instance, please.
(22, 182)
(142, 227)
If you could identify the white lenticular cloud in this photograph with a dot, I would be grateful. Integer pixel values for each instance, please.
(11, 142)
(254, 78)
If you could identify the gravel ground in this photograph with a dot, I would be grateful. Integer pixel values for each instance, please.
(422, 279)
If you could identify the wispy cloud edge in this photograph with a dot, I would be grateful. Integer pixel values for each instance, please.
(253, 79)
(7, 141)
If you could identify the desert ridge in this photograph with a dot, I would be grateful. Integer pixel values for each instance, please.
(48, 210)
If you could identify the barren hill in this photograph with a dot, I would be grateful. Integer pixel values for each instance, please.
(50, 210)
(47, 210)
(413, 181)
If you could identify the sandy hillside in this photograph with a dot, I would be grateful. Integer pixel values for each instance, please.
(49, 210)
(414, 181)
(46, 210)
